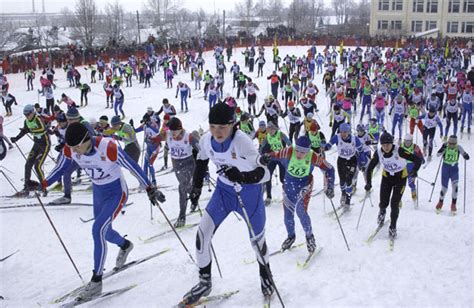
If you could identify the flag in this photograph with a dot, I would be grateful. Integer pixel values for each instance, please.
(446, 50)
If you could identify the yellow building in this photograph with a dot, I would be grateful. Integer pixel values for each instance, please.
(411, 17)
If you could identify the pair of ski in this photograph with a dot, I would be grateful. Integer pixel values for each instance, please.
(391, 243)
(156, 236)
(38, 205)
(208, 299)
(105, 276)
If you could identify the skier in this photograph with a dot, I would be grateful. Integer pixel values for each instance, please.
(102, 158)
(34, 125)
(400, 113)
(409, 146)
(184, 92)
(150, 131)
(8, 100)
(364, 156)
(124, 132)
(430, 120)
(294, 115)
(467, 99)
(450, 152)
(251, 89)
(274, 142)
(394, 178)
(119, 99)
(451, 110)
(348, 148)
(233, 153)
(2, 136)
(183, 147)
(84, 87)
(299, 162)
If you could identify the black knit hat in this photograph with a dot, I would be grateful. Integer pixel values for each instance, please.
(221, 114)
(175, 124)
(76, 133)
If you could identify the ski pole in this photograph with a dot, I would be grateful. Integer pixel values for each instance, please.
(237, 189)
(59, 237)
(339, 222)
(426, 181)
(9, 181)
(157, 204)
(362, 209)
(436, 177)
(464, 197)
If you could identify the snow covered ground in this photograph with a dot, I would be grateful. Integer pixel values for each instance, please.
(431, 265)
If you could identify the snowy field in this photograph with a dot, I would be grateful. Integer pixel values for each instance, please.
(431, 265)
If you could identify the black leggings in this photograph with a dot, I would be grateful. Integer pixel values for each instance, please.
(391, 192)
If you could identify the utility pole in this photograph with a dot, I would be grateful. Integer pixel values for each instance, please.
(42, 4)
(138, 28)
(33, 5)
(223, 24)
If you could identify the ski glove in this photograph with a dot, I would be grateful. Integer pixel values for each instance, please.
(466, 156)
(330, 193)
(155, 195)
(234, 174)
(265, 159)
(368, 187)
(13, 139)
(194, 195)
(44, 185)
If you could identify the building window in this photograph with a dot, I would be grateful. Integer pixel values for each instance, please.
(467, 27)
(430, 24)
(397, 5)
(382, 25)
(468, 6)
(432, 6)
(396, 25)
(384, 5)
(418, 6)
(416, 26)
(454, 6)
(452, 27)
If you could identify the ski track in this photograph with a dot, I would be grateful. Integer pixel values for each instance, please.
(431, 264)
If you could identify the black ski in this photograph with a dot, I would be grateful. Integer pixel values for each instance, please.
(80, 301)
(4, 258)
(111, 273)
(38, 205)
(276, 252)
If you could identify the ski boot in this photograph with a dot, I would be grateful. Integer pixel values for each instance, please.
(439, 206)
(164, 168)
(413, 195)
(180, 222)
(268, 201)
(311, 243)
(203, 288)
(392, 233)
(288, 242)
(462, 129)
(194, 207)
(92, 289)
(61, 201)
(10, 146)
(468, 130)
(453, 208)
(265, 282)
(343, 199)
(381, 217)
(347, 204)
(123, 254)
(25, 193)
(429, 158)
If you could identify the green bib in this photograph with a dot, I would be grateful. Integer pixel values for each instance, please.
(374, 130)
(275, 141)
(300, 168)
(315, 140)
(451, 156)
(32, 125)
(245, 127)
(410, 149)
(413, 111)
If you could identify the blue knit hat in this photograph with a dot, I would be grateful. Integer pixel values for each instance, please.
(72, 114)
(303, 144)
(344, 127)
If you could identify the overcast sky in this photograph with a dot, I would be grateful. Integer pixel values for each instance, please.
(25, 6)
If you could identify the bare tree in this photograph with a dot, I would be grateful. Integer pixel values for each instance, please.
(274, 12)
(342, 9)
(86, 21)
(159, 11)
(182, 25)
(8, 29)
(245, 10)
(113, 25)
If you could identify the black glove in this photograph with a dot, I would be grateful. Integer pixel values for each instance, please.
(13, 139)
(234, 174)
(59, 147)
(155, 195)
(265, 159)
(466, 156)
(368, 187)
(330, 124)
(194, 195)
(330, 192)
(131, 122)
